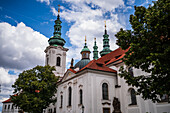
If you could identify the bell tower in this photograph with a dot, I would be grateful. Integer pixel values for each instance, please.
(56, 52)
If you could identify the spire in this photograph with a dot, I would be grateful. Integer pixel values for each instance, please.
(106, 46)
(85, 51)
(95, 52)
(72, 61)
(56, 39)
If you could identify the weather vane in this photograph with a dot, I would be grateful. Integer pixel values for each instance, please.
(105, 24)
(58, 8)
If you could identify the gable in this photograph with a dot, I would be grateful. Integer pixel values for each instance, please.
(69, 74)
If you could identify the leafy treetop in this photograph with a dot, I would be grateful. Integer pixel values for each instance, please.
(35, 89)
(149, 44)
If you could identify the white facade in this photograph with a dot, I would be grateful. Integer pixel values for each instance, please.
(90, 82)
(56, 56)
(9, 108)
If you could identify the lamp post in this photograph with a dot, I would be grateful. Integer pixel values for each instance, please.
(82, 109)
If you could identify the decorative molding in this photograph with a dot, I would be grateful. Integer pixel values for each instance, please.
(55, 47)
(69, 83)
(65, 86)
(117, 86)
(75, 82)
(61, 92)
(80, 86)
(104, 103)
(53, 51)
(64, 54)
(58, 54)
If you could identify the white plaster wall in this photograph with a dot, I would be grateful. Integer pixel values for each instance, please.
(91, 85)
(143, 106)
(97, 80)
(52, 55)
(10, 110)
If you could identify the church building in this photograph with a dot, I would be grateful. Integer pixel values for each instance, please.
(93, 85)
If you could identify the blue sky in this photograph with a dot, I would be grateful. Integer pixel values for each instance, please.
(26, 25)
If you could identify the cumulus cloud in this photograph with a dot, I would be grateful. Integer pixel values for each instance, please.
(89, 21)
(6, 81)
(21, 47)
(46, 1)
(130, 2)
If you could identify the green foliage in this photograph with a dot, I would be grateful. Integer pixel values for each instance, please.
(149, 44)
(35, 89)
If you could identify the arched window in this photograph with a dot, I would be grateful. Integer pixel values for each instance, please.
(105, 91)
(130, 70)
(61, 101)
(81, 96)
(69, 96)
(58, 61)
(133, 97)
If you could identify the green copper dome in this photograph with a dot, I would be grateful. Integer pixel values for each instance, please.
(82, 63)
(85, 49)
(56, 39)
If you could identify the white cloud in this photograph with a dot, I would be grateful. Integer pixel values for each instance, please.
(21, 47)
(108, 5)
(130, 2)
(89, 22)
(5, 78)
(47, 1)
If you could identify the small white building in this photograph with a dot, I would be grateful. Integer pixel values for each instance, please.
(91, 86)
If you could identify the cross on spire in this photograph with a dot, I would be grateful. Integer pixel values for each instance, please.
(58, 9)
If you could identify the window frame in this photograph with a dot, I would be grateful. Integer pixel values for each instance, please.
(69, 96)
(105, 91)
(58, 61)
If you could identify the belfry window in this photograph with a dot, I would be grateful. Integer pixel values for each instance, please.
(133, 97)
(69, 96)
(58, 61)
(81, 96)
(105, 92)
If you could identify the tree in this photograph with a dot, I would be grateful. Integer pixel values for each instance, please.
(149, 50)
(35, 89)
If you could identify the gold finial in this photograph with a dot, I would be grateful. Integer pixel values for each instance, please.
(95, 39)
(58, 8)
(85, 39)
(105, 24)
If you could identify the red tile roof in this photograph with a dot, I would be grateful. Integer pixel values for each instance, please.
(72, 70)
(112, 55)
(95, 65)
(7, 101)
(100, 64)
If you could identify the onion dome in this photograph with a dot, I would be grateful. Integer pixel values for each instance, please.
(56, 39)
(82, 63)
(85, 49)
(85, 52)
